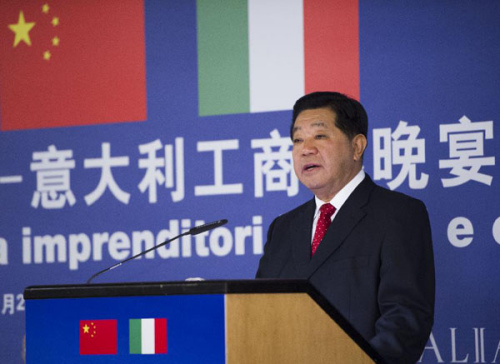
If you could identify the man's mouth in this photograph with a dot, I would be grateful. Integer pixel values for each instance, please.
(310, 167)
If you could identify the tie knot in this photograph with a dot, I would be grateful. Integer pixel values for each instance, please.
(327, 209)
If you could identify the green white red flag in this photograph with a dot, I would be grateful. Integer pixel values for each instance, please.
(260, 56)
(148, 336)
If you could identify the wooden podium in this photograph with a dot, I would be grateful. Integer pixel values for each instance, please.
(254, 321)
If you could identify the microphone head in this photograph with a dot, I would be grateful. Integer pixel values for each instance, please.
(221, 222)
(211, 225)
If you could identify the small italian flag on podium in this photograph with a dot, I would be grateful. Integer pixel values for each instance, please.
(148, 336)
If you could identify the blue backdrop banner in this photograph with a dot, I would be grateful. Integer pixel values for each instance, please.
(125, 124)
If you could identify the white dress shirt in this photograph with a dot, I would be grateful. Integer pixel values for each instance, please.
(339, 198)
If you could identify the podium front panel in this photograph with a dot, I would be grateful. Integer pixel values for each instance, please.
(106, 329)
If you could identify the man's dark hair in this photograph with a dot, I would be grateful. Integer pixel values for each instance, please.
(351, 115)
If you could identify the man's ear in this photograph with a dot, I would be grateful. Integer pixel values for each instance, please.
(359, 143)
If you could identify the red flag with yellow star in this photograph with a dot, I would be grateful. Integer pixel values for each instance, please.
(98, 337)
(67, 63)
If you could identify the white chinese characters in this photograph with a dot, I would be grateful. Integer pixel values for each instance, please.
(401, 147)
(274, 166)
(160, 170)
(219, 187)
(466, 148)
(105, 163)
(53, 178)
(163, 166)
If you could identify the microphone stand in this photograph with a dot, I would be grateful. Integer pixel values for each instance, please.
(193, 231)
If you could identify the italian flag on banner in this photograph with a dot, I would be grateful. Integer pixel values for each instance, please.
(262, 55)
(148, 336)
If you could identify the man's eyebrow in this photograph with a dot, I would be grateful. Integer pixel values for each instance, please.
(317, 124)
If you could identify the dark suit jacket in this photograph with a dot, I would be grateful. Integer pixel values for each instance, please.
(375, 265)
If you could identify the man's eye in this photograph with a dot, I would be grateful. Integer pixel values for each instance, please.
(296, 140)
(320, 136)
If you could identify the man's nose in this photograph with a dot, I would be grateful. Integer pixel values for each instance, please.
(309, 147)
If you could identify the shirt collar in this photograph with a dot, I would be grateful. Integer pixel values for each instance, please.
(342, 196)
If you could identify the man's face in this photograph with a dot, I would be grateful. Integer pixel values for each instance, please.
(324, 158)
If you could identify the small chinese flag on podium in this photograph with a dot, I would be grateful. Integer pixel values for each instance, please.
(98, 337)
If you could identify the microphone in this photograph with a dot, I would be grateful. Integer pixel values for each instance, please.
(193, 231)
(211, 225)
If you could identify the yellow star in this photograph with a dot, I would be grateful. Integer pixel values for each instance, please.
(86, 329)
(55, 21)
(46, 55)
(21, 29)
(45, 8)
(55, 41)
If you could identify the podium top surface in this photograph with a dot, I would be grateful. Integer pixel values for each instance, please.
(169, 288)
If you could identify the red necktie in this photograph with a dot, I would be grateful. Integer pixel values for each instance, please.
(324, 221)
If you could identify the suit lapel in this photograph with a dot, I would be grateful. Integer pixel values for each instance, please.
(301, 230)
(351, 213)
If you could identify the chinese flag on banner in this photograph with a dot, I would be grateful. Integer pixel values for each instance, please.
(98, 337)
(68, 63)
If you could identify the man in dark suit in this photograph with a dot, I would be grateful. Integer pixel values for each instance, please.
(371, 253)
